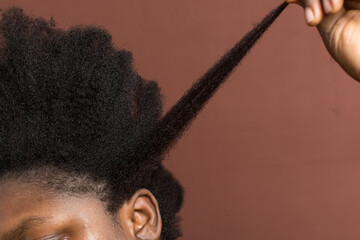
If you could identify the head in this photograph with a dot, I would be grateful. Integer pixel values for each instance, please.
(82, 137)
(72, 114)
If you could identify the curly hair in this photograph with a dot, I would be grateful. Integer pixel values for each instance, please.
(75, 114)
(70, 100)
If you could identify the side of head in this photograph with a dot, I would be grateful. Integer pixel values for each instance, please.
(49, 203)
(72, 112)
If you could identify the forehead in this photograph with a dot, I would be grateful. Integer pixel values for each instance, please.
(19, 201)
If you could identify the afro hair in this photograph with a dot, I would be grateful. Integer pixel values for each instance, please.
(70, 100)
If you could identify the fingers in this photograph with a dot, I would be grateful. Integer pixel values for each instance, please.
(316, 10)
(313, 12)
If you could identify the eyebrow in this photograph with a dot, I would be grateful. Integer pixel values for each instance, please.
(24, 225)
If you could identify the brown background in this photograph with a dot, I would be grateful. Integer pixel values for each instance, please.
(275, 153)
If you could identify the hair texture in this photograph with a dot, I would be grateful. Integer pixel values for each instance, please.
(179, 117)
(70, 102)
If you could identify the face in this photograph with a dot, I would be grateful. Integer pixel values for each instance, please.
(29, 213)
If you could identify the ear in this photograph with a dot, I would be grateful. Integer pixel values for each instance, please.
(140, 216)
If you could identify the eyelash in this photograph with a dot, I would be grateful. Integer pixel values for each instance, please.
(61, 237)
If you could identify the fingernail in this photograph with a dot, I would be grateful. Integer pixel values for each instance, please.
(309, 15)
(327, 6)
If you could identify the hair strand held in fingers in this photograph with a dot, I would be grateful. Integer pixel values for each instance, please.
(76, 117)
(178, 118)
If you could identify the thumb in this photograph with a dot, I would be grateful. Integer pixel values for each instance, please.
(330, 30)
(340, 33)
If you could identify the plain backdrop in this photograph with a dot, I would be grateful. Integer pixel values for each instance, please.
(275, 154)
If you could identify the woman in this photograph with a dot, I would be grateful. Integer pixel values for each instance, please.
(73, 114)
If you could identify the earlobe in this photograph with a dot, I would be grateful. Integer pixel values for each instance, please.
(140, 216)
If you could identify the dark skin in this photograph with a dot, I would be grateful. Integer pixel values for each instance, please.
(338, 22)
(75, 218)
(40, 215)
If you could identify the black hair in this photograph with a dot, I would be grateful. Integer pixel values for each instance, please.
(70, 100)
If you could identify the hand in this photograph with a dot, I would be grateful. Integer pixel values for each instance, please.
(338, 22)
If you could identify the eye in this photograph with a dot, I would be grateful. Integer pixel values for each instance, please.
(55, 237)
